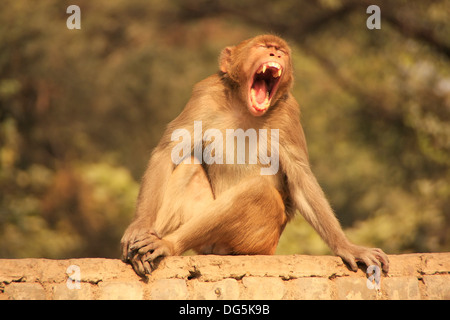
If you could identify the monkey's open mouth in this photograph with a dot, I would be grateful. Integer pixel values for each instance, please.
(264, 85)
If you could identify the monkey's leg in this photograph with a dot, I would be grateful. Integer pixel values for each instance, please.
(249, 220)
(246, 219)
(188, 192)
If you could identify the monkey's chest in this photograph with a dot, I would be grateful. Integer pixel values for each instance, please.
(223, 177)
(231, 156)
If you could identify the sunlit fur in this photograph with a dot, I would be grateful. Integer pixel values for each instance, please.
(231, 208)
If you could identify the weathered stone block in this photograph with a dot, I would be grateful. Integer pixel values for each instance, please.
(62, 292)
(258, 288)
(436, 263)
(169, 289)
(402, 288)
(25, 291)
(227, 289)
(437, 287)
(354, 289)
(121, 291)
(309, 289)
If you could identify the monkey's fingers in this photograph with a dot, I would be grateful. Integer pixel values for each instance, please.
(376, 257)
(373, 256)
(124, 256)
(350, 260)
(160, 252)
(127, 254)
(147, 267)
(142, 246)
(145, 249)
(348, 256)
(144, 234)
(160, 248)
(383, 258)
(138, 265)
(127, 239)
(369, 259)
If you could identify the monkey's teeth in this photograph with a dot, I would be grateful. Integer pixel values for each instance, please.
(276, 68)
(276, 73)
(264, 105)
(274, 65)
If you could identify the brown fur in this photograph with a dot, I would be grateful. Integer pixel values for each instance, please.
(231, 208)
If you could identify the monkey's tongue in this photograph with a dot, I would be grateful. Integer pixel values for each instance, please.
(260, 95)
(260, 88)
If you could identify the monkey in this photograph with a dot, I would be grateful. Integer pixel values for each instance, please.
(209, 198)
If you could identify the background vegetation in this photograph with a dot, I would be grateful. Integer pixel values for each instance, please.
(80, 111)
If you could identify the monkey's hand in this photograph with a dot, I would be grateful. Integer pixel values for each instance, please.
(147, 251)
(351, 254)
(137, 235)
(156, 248)
(141, 246)
(136, 232)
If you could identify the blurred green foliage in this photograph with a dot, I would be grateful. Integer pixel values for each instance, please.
(80, 111)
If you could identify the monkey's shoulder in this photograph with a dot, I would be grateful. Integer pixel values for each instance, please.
(210, 86)
(207, 95)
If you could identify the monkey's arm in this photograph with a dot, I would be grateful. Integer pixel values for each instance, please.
(153, 186)
(310, 200)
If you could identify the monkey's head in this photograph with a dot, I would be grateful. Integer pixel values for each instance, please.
(261, 67)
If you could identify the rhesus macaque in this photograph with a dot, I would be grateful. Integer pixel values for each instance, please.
(207, 197)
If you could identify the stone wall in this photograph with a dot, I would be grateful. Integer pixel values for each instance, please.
(411, 276)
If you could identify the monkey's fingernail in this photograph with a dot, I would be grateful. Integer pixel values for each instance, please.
(130, 255)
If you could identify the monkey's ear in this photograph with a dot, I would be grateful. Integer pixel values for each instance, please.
(225, 59)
